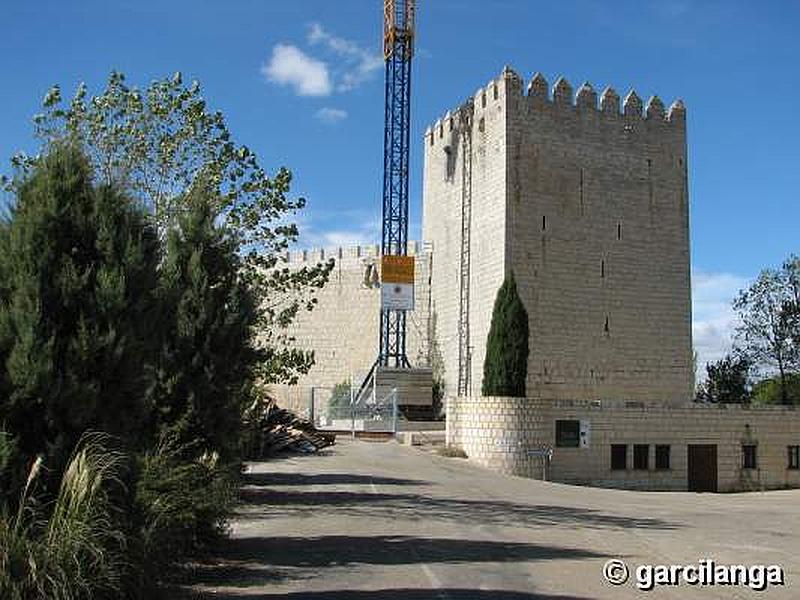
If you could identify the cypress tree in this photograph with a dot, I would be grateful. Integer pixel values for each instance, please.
(78, 271)
(505, 367)
(208, 355)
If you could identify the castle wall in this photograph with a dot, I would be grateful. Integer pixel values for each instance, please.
(588, 205)
(509, 435)
(343, 328)
(599, 243)
(441, 225)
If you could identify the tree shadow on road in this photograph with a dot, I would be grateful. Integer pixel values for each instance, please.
(413, 507)
(256, 561)
(262, 479)
(397, 594)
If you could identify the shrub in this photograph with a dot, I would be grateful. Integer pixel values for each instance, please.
(451, 452)
(180, 505)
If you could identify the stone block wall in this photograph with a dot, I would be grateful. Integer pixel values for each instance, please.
(507, 434)
(587, 204)
(343, 328)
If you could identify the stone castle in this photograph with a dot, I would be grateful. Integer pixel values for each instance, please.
(585, 202)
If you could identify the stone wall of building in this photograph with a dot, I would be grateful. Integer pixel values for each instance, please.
(509, 434)
(588, 205)
(442, 224)
(343, 328)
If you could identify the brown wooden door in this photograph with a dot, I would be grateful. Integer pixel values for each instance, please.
(702, 467)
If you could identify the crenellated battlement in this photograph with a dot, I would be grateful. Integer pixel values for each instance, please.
(368, 251)
(541, 96)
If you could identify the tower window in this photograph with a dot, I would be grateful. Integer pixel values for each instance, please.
(602, 268)
(619, 231)
(619, 457)
(605, 327)
(482, 125)
(641, 454)
(544, 222)
(749, 456)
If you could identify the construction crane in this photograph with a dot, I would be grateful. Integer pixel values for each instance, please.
(398, 50)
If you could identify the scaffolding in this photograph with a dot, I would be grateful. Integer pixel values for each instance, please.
(465, 115)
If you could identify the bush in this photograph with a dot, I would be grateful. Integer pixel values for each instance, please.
(451, 452)
(180, 505)
(505, 368)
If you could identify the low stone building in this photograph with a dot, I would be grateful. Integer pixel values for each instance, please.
(633, 445)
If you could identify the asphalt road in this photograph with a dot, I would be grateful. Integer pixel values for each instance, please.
(379, 521)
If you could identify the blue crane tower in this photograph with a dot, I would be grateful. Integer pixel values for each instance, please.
(398, 50)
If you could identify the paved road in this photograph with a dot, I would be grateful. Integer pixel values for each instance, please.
(379, 521)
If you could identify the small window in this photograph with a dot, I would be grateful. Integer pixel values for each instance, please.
(494, 91)
(619, 231)
(544, 222)
(482, 125)
(794, 457)
(749, 456)
(640, 456)
(605, 326)
(602, 268)
(662, 457)
(568, 434)
(619, 457)
(483, 99)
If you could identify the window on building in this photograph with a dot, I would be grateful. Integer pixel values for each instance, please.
(619, 457)
(794, 457)
(640, 456)
(749, 456)
(662, 457)
(568, 433)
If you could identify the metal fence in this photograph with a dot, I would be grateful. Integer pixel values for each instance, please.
(341, 409)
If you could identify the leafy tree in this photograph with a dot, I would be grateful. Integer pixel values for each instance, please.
(79, 274)
(768, 311)
(505, 368)
(208, 357)
(768, 390)
(727, 381)
(159, 144)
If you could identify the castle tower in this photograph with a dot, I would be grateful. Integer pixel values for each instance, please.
(588, 205)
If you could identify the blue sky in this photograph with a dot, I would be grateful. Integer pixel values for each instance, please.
(301, 83)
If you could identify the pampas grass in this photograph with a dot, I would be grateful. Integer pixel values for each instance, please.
(78, 550)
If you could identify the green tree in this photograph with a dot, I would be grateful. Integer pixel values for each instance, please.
(768, 390)
(769, 318)
(505, 368)
(727, 381)
(162, 142)
(208, 358)
(78, 272)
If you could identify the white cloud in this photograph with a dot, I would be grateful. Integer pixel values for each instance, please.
(291, 66)
(334, 228)
(714, 321)
(360, 63)
(331, 115)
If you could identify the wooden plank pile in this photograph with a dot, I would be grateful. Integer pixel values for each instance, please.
(274, 429)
